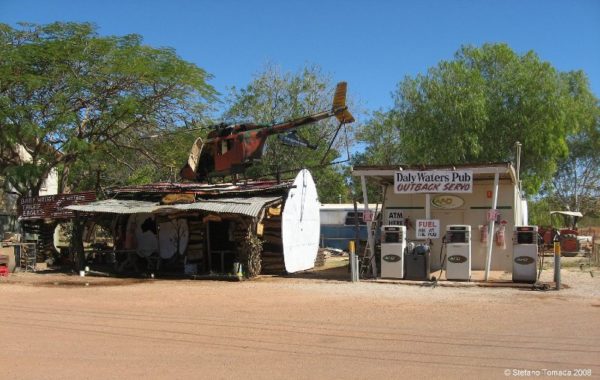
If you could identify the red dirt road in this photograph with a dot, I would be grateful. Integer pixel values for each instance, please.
(292, 328)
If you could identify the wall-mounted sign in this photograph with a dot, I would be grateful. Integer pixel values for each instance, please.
(447, 201)
(394, 217)
(492, 215)
(427, 229)
(434, 181)
(52, 206)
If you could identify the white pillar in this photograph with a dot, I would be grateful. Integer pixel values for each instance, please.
(427, 206)
(370, 237)
(491, 225)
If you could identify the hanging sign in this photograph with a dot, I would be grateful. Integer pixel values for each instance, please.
(447, 201)
(433, 181)
(52, 206)
(427, 229)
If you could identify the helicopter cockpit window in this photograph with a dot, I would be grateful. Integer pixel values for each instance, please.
(225, 146)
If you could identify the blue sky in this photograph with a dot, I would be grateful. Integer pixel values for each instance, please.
(371, 44)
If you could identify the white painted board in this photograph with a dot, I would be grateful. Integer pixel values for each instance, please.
(144, 226)
(427, 229)
(194, 157)
(300, 225)
(171, 234)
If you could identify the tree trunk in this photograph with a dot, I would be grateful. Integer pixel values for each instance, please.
(62, 179)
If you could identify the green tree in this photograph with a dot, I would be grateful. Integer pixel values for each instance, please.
(381, 138)
(71, 98)
(111, 166)
(576, 185)
(275, 97)
(476, 106)
(539, 212)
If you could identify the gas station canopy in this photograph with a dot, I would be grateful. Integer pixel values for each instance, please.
(385, 173)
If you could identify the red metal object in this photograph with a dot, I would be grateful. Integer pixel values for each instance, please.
(4, 271)
(231, 149)
(568, 241)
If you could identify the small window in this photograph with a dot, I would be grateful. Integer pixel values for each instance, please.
(525, 238)
(350, 218)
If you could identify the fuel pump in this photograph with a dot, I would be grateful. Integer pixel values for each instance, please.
(393, 245)
(458, 252)
(525, 254)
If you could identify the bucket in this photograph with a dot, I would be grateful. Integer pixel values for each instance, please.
(237, 268)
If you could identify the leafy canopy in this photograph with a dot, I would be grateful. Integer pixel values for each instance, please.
(69, 97)
(576, 184)
(475, 107)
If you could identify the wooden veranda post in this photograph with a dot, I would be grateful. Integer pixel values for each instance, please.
(491, 226)
(77, 243)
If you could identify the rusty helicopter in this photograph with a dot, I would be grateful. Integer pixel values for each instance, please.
(231, 149)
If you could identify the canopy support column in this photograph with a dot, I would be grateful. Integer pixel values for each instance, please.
(370, 237)
(491, 226)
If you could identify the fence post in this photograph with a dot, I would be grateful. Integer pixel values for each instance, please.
(557, 262)
(353, 262)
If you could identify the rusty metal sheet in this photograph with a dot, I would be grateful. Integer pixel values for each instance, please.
(116, 206)
(52, 206)
(241, 206)
(200, 189)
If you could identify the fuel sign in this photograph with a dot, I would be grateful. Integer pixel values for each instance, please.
(428, 229)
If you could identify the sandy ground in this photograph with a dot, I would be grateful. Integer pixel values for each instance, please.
(308, 327)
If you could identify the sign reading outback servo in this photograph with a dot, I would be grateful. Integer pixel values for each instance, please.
(435, 181)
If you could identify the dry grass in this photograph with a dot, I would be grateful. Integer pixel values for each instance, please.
(589, 231)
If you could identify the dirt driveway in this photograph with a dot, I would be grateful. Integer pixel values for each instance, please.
(282, 327)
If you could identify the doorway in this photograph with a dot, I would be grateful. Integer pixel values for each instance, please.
(221, 246)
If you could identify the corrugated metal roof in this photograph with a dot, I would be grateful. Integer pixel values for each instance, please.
(347, 206)
(116, 206)
(502, 164)
(201, 188)
(242, 206)
(481, 171)
(569, 213)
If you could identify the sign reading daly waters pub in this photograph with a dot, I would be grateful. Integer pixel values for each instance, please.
(433, 181)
